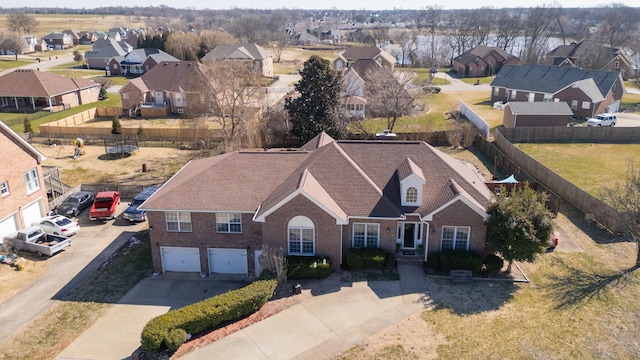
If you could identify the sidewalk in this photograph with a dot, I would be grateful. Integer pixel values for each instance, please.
(326, 325)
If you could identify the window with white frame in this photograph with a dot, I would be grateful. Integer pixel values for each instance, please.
(229, 223)
(365, 235)
(301, 236)
(31, 180)
(4, 188)
(412, 195)
(548, 97)
(455, 237)
(178, 221)
(514, 93)
(125, 96)
(574, 104)
(496, 91)
(586, 105)
(617, 64)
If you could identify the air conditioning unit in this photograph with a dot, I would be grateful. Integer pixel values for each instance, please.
(180, 111)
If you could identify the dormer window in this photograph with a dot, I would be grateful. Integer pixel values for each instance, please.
(412, 195)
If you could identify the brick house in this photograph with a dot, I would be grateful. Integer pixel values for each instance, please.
(58, 40)
(255, 54)
(588, 54)
(587, 92)
(483, 61)
(216, 214)
(103, 51)
(173, 87)
(23, 195)
(138, 61)
(40, 90)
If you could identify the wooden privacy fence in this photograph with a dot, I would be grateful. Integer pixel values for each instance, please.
(589, 205)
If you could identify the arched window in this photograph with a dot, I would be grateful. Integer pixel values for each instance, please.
(412, 195)
(301, 236)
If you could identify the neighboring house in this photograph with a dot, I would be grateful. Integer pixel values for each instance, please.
(304, 38)
(217, 214)
(74, 36)
(103, 51)
(587, 92)
(87, 38)
(9, 45)
(364, 53)
(38, 45)
(168, 88)
(522, 114)
(58, 40)
(32, 90)
(23, 195)
(333, 36)
(252, 53)
(138, 61)
(589, 54)
(483, 61)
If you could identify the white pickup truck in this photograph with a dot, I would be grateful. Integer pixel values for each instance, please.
(34, 239)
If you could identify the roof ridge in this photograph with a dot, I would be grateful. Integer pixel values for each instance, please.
(356, 167)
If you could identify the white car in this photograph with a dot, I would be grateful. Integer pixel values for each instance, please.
(58, 225)
(603, 120)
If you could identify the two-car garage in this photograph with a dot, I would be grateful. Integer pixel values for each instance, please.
(221, 261)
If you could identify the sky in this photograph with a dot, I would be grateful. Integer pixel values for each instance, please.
(324, 4)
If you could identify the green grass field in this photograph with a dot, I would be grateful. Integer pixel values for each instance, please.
(589, 166)
(482, 80)
(9, 62)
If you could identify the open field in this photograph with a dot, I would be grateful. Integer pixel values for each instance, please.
(78, 22)
(293, 58)
(588, 166)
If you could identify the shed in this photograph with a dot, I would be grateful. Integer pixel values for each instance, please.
(522, 114)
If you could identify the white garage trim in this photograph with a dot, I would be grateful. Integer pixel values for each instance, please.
(256, 258)
(8, 225)
(180, 259)
(228, 261)
(32, 213)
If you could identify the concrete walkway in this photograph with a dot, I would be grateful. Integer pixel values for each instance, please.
(328, 324)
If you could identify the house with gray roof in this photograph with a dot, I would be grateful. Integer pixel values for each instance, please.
(254, 54)
(58, 40)
(217, 214)
(589, 54)
(587, 92)
(483, 61)
(138, 61)
(103, 51)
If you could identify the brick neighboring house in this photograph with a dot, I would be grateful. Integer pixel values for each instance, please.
(589, 54)
(138, 61)
(216, 214)
(252, 53)
(103, 51)
(587, 92)
(521, 114)
(87, 38)
(483, 61)
(75, 37)
(364, 53)
(23, 195)
(58, 40)
(31, 90)
(169, 87)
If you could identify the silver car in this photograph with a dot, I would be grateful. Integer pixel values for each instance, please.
(603, 120)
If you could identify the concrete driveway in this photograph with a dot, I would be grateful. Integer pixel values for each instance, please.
(628, 119)
(90, 248)
(116, 335)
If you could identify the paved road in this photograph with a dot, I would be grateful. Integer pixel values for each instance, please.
(44, 64)
(90, 248)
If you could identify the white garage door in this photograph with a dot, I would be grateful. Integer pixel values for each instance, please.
(8, 225)
(180, 259)
(31, 213)
(228, 261)
(614, 107)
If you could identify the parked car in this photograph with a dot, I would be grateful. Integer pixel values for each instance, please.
(104, 206)
(133, 213)
(75, 203)
(603, 120)
(58, 225)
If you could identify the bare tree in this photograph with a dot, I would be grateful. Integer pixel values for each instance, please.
(460, 35)
(184, 46)
(279, 44)
(430, 19)
(625, 197)
(482, 24)
(539, 26)
(620, 25)
(16, 44)
(509, 28)
(237, 99)
(21, 23)
(389, 94)
(212, 38)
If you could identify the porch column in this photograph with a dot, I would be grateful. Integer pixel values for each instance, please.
(15, 100)
(50, 104)
(33, 103)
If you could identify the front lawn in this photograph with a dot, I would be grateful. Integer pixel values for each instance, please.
(630, 103)
(422, 76)
(482, 80)
(7, 63)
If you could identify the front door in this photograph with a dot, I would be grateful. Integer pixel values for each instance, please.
(409, 232)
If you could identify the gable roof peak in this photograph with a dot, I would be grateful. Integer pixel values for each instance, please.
(408, 168)
(317, 142)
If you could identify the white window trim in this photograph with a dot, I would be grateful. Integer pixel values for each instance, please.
(299, 226)
(367, 226)
(31, 181)
(411, 201)
(514, 93)
(228, 222)
(455, 234)
(586, 105)
(4, 189)
(182, 217)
